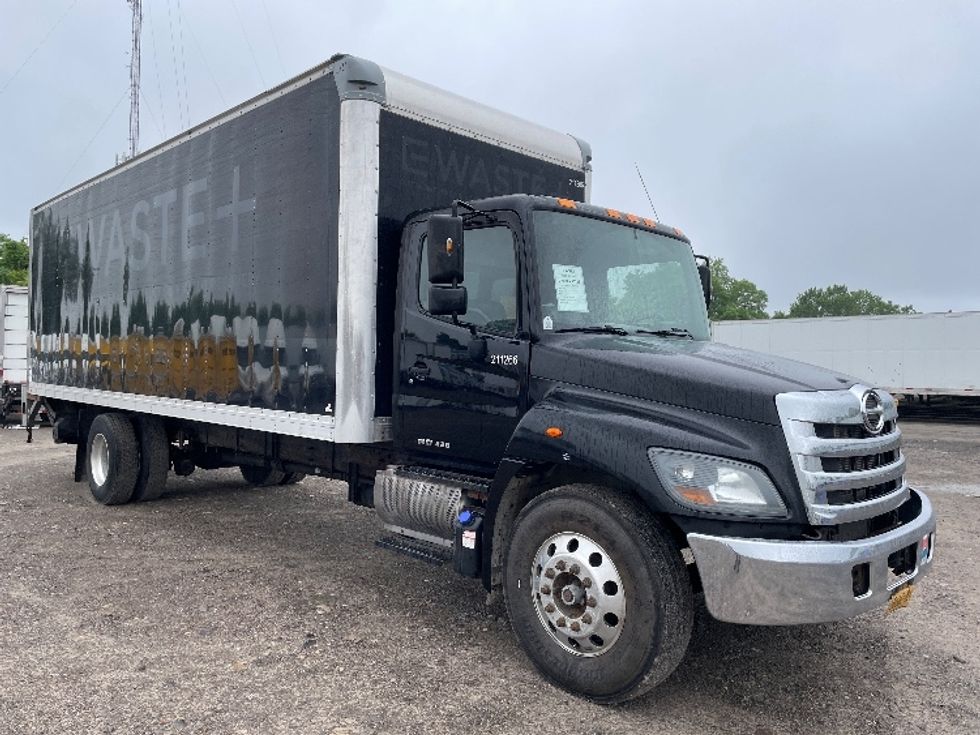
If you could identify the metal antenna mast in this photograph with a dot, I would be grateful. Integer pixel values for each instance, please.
(646, 191)
(134, 78)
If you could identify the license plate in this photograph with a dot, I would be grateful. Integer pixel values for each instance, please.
(900, 598)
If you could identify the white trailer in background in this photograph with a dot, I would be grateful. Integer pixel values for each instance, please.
(912, 354)
(13, 350)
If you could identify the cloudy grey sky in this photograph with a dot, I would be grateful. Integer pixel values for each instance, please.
(804, 142)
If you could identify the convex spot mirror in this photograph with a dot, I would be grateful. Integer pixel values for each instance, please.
(704, 271)
(445, 300)
(445, 248)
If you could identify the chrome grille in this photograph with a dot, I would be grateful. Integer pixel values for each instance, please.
(859, 462)
(846, 473)
(848, 431)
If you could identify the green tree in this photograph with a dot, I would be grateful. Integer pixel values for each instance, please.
(838, 300)
(734, 298)
(13, 261)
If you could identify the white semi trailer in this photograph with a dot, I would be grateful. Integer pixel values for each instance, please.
(13, 350)
(911, 354)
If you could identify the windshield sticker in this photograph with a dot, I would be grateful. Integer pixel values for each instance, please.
(548, 324)
(570, 288)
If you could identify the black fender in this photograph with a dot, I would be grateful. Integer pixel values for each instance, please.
(607, 435)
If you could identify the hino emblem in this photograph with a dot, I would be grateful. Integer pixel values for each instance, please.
(873, 412)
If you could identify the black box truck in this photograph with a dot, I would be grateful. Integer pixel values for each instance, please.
(362, 277)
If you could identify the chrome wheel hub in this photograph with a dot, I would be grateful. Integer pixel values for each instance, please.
(578, 594)
(99, 459)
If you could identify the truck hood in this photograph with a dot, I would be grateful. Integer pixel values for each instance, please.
(703, 376)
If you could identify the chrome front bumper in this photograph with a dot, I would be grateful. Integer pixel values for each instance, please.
(763, 582)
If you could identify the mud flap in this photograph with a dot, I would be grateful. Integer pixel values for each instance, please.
(80, 461)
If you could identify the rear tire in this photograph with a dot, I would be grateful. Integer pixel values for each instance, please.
(112, 459)
(260, 476)
(597, 593)
(154, 467)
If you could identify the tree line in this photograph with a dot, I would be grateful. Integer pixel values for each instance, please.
(739, 298)
(13, 261)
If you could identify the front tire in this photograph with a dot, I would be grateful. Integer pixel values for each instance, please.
(597, 593)
(112, 459)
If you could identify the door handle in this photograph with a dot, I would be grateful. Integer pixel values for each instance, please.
(419, 371)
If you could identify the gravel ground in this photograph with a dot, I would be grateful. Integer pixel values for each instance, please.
(227, 609)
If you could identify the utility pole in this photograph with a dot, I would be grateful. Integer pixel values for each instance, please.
(134, 78)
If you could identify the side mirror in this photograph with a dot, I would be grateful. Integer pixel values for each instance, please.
(447, 300)
(704, 271)
(445, 248)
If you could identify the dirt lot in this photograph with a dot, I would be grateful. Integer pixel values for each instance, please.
(224, 609)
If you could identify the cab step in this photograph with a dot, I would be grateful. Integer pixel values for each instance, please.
(426, 551)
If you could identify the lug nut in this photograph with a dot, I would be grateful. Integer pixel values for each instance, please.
(587, 619)
(561, 566)
(575, 626)
(575, 569)
(560, 622)
(587, 582)
(591, 602)
(545, 590)
(549, 608)
(549, 573)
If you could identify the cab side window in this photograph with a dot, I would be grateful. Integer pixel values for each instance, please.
(490, 277)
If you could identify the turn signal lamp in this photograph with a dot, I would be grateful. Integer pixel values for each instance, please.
(717, 484)
(553, 432)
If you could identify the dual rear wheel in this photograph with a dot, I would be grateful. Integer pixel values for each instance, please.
(266, 476)
(127, 459)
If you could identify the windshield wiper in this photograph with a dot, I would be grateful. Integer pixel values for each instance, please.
(669, 332)
(604, 329)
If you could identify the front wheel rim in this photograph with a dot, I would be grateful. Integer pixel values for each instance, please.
(578, 594)
(99, 459)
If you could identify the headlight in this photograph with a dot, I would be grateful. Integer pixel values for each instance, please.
(716, 484)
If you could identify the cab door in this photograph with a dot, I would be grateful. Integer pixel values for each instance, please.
(462, 386)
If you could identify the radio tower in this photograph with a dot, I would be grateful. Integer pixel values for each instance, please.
(134, 78)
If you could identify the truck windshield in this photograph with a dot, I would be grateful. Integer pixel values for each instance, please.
(596, 275)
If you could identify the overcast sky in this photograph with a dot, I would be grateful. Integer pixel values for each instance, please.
(806, 143)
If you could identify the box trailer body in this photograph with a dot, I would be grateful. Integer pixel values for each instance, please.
(365, 278)
(244, 273)
(911, 354)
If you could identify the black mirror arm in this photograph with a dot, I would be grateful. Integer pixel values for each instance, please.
(704, 272)
(457, 203)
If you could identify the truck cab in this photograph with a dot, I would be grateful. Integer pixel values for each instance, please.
(564, 348)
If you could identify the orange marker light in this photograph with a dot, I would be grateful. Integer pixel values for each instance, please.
(614, 213)
(649, 222)
(567, 203)
(553, 432)
(678, 231)
(633, 218)
(450, 246)
(696, 495)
